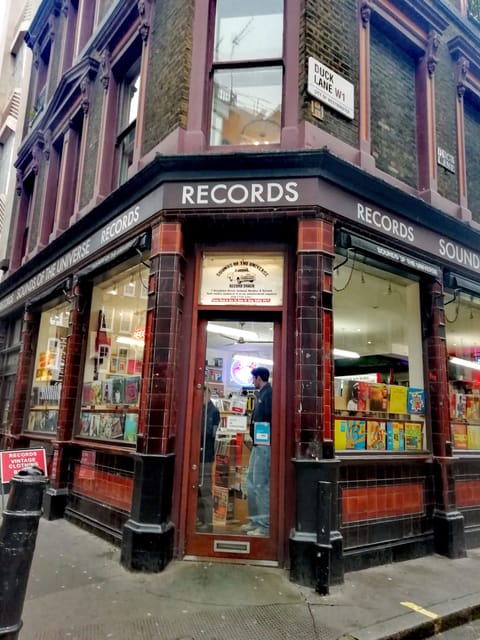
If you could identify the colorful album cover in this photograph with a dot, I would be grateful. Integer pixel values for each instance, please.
(356, 433)
(414, 436)
(415, 401)
(107, 392)
(376, 434)
(97, 392)
(395, 436)
(473, 408)
(118, 390)
(460, 406)
(88, 397)
(357, 396)
(473, 436)
(132, 388)
(460, 440)
(378, 396)
(131, 427)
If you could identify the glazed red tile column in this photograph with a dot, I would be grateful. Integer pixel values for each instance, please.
(164, 316)
(56, 494)
(20, 397)
(314, 336)
(449, 534)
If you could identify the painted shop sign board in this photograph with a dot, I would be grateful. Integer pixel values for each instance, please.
(11, 462)
(268, 194)
(252, 279)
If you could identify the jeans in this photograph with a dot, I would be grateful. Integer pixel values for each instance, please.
(258, 486)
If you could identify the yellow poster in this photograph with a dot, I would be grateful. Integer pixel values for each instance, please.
(398, 399)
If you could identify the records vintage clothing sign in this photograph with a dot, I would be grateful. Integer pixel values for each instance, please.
(252, 279)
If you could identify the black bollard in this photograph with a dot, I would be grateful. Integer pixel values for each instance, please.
(18, 534)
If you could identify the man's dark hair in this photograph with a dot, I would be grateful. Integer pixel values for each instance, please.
(262, 373)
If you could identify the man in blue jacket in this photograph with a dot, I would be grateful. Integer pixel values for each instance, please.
(258, 478)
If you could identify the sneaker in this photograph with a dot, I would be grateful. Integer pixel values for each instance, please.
(259, 531)
(245, 528)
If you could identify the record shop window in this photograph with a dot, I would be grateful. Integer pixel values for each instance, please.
(247, 71)
(49, 368)
(462, 315)
(114, 357)
(379, 389)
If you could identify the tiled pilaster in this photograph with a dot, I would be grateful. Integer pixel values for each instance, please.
(314, 375)
(164, 317)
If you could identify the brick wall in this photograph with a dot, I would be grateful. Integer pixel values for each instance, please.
(169, 70)
(330, 36)
(91, 149)
(393, 110)
(472, 136)
(445, 97)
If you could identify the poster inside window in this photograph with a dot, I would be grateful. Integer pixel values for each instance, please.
(48, 369)
(378, 364)
(462, 312)
(114, 358)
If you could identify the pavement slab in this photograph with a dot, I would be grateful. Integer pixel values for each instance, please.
(78, 590)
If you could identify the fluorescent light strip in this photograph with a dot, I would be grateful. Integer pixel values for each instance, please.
(231, 332)
(465, 363)
(343, 353)
(245, 358)
(131, 341)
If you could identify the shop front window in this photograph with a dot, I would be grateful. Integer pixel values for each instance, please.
(247, 73)
(379, 389)
(9, 355)
(49, 367)
(114, 358)
(462, 313)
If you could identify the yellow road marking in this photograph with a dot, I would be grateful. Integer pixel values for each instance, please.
(419, 609)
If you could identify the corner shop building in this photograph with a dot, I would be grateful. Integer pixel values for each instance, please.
(199, 269)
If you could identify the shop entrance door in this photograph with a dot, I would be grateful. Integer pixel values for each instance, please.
(233, 484)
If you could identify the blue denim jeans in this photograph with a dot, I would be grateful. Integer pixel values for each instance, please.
(258, 486)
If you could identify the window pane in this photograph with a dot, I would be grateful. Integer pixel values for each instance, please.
(247, 106)
(463, 346)
(113, 362)
(248, 30)
(379, 389)
(48, 372)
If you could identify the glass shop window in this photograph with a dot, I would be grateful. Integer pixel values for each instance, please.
(378, 365)
(48, 371)
(114, 358)
(462, 314)
(247, 72)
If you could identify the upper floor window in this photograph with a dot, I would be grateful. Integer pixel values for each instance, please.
(247, 73)
(128, 96)
(474, 9)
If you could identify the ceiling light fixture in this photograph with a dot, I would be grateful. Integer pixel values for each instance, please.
(344, 353)
(465, 363)
(231, 332)
(113, 291)
(243, 357)
(131, 341)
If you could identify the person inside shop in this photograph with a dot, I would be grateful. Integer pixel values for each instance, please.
(258, 477)
(210, 422)
(352, 404)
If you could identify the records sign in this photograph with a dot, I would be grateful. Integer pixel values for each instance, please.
(252, 279)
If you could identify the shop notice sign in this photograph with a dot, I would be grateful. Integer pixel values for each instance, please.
(11, 462)
(330, 88)
(255, 279)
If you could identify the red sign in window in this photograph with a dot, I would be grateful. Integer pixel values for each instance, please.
(11, 462)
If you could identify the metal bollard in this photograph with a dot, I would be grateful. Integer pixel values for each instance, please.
(18, 534)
